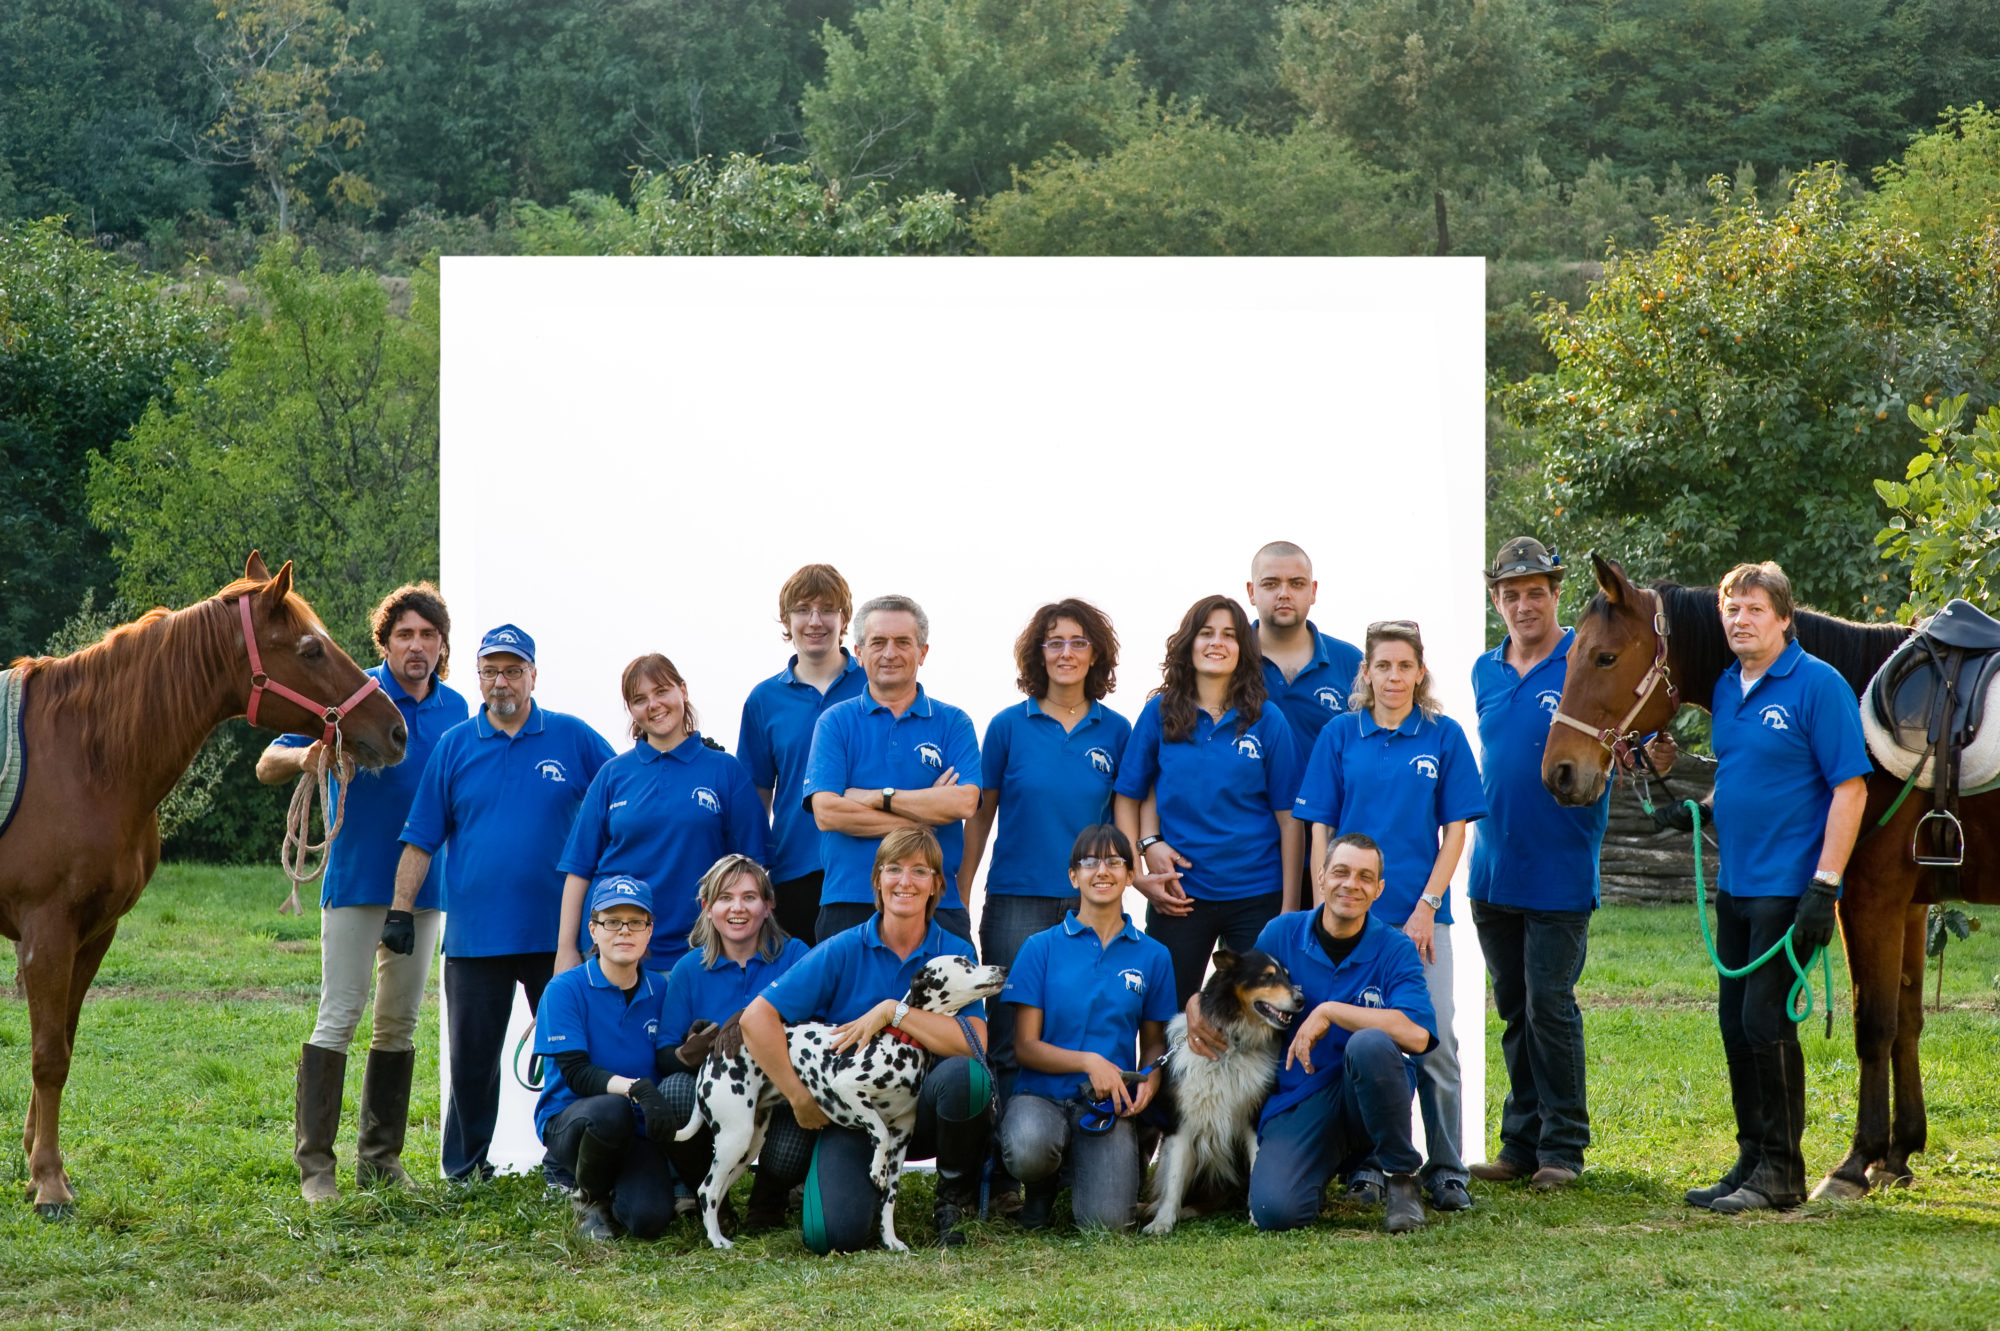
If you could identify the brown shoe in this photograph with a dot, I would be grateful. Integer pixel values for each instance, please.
(1502, 1170)
(1550, 1177)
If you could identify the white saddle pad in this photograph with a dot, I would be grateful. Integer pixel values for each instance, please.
(1979, 765)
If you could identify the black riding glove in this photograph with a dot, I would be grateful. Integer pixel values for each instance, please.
(1812, 928)
(1676, 816)
(660, 1125)
(399, 932)
(700, 1039)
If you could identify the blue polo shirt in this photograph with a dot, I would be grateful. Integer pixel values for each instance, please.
(1318, 693)
(1399, 786)
(1529, 851)
(361, 871)
(861, 743)
(697, 991)
(1092, 996)
(1779, 754)
(774, 741)
(1383, 971)
(503, 806)
(1052, 785)
(1217, 791)
(664, 818)
(583, 1011)
(852, 971)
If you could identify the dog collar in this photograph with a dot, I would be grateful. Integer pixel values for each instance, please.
(904, 1036)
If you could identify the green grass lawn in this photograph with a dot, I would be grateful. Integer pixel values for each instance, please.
(178, 1135)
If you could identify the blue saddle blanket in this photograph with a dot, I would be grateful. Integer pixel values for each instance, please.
(13, 745)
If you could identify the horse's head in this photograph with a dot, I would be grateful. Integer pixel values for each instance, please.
(296, 651)
(1611, 663)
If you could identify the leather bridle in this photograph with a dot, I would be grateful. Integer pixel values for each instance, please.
(261, 683)
(1620, 740)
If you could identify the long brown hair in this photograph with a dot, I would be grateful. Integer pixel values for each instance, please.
(1033, 666)
(1179, 702)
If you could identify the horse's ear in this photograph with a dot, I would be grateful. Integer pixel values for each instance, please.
(279, 587)
(1610, 578)
(254, 570)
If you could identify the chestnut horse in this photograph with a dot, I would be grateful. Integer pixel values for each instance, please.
(1883, 905)
(109, 731)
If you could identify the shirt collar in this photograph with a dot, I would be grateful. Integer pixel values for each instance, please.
(1032, 709)
(1073, 926)
(1319, 641)
(933, 944)
(920, 707)
(487, 730)
(789, 675)
(1787, 662)
(1412, 724)
(686, 751)
(1308, 939)
(593, 970)
(1559, 653)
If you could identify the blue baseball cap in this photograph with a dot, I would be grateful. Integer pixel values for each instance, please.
(620, 890)
(507, 638)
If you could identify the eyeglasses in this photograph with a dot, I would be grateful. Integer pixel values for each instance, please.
(811, 612)
(920, 874)
(512, 674)
(1057, 646)
(1088, 862)
(1100, 1115)
(622, 926)
(1396, 625)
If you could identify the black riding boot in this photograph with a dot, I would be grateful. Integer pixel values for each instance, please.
(768, 1194)
(597, 1164)
(1746, 1102)
(1779, 1180)
(385, 1119)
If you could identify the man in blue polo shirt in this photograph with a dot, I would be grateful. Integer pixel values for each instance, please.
(1343, 1093)
(890, 758)
(1791, 781)
(499, 792)
(412, 631)
(1308, 674)
(776, 734)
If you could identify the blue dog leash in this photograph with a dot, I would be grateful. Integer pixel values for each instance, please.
(1099, 1115)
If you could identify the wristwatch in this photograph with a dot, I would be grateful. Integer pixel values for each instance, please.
(1827, 878)
(1148, 841)
(888, 793)
(902, 1011)
(1433, 900)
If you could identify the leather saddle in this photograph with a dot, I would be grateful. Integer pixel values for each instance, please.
(1931, 696)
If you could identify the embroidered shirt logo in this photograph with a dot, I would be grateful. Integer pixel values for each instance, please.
(1549, 700)
(1100, 761)
(1426, 765)
(1134, 980)
(1371, 997)
(931, 755)
(652, 1029)
(708, 800)
(1775, 717)
(1248, 746)
(548, 769)
(1331, 699)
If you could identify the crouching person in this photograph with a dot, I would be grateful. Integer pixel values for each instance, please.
(1343, 1095)
(1086, 992)
(858, 979)
(601, 1116)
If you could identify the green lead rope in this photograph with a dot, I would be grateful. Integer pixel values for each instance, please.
(1801, 971)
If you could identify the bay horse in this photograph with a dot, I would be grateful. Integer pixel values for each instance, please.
(109, 730)
(1628, 673)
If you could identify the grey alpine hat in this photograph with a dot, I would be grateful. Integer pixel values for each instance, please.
(1525, 557)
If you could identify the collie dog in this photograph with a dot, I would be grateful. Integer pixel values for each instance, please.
(1213, 1103)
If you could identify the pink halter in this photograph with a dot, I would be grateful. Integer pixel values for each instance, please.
(260, 682)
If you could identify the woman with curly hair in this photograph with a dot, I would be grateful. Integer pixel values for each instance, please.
(1205, 793)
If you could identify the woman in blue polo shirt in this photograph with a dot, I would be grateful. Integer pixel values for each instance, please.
(1397, 769)
(858, 979)
(1219, 852)
(664, 810)
(1085, 993)
(600, 1115)
(738, 950)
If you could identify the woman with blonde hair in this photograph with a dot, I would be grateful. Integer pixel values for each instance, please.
(1395, 768)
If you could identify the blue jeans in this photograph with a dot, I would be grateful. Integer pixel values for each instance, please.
(1040, 1141)
(1360, 1118)
(1534, 958)
(1005, 924)
(1191, 939)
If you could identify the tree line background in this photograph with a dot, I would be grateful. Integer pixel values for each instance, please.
(1744, 289)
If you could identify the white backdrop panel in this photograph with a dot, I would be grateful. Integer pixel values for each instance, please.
(638, 452)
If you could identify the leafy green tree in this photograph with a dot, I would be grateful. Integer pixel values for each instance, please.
(1729, 395)
(317, 443)
(1946, 528)
(1947, 183)
(1224, 56)
(275, 68)
(951, 94)
(1446, 91)
(85, 344)
(1192, 186)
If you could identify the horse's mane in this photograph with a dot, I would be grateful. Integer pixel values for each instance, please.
(1856, 650)
(147, 685)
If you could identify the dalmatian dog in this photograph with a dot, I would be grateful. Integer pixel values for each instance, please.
(872, 1089)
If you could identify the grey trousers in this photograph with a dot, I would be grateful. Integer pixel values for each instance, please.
(350, 950)
(1438, 1093)
(1038, 1136)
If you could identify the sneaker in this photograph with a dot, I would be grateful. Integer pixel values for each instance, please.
(1365, 1192)
(1449, 1194)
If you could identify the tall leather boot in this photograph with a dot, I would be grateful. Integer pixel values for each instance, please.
(316, 1120)
(1779, 1180)
(768, 1194)
(964, 1137)
(385, 1119)
(597, 1164)
(1745, 1100)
